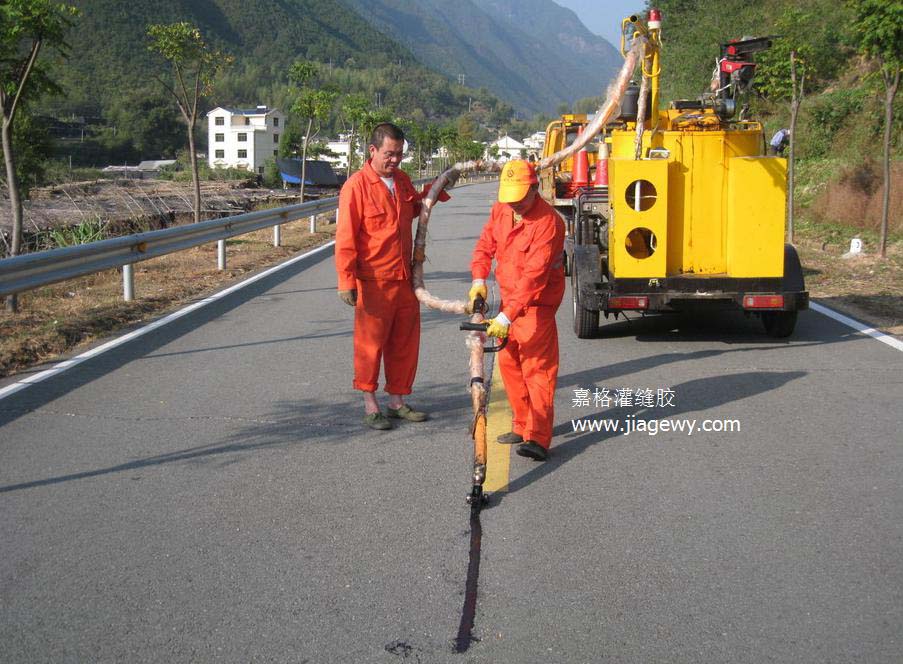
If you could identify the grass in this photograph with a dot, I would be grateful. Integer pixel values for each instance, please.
(66, 317)
(867, 287)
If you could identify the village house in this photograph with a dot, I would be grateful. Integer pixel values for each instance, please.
(243, 138)
(338, 150)
(505, 148)
(534, 143)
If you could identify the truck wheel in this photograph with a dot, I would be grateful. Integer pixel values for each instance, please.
(779, 324)
(586, 321)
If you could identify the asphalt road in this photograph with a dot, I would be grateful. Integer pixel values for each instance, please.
(207, 493)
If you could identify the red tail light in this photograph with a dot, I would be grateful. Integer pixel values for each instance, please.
(763, 302)
(628, 302)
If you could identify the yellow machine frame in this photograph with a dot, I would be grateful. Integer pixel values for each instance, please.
(695, 211)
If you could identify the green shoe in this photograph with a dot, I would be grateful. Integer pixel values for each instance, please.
(377, 421)
(407, 413)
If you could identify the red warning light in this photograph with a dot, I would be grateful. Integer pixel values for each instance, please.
(655, 18)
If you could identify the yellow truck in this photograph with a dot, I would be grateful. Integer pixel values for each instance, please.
(691, 215)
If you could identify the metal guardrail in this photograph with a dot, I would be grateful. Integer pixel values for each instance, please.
(22, 273)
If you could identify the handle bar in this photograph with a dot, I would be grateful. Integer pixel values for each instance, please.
(481, 327)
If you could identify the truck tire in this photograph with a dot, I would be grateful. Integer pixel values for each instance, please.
(779, 324)
(793, 270)
(586, 321)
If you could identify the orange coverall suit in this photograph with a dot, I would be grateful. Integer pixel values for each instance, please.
(373, 251)
(530, 273)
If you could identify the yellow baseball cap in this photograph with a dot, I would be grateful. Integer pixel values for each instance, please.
(515, 180)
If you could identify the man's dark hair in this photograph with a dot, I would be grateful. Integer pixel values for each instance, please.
(385, 130)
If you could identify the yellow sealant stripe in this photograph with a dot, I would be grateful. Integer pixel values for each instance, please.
(498, 421)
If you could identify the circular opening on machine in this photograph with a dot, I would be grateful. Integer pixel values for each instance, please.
(640, 195)
(641, 243)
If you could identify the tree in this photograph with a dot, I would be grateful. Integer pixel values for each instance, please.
(878, 32)
(33, 149)
(355, 108)
(448, 139)
(26, 27)
(798, 86)
(312, 105)
(783, 71)
(814, 38)
(146, 119)
(194, 66)
(374, 117)
(425, 136)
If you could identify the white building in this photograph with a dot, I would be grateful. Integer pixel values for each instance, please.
(507, 148)
(339, 148)
(243, 138)
(535, 141)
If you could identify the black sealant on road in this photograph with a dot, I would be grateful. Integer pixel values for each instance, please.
(468, 613)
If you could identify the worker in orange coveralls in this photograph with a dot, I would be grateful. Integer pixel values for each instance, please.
(526, 238)
(373, 252)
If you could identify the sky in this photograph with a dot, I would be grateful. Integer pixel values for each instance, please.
(604, 16)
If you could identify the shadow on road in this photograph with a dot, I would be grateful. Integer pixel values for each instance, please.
(693, 395)
(306, 421)
(730, 327)
(735, 333)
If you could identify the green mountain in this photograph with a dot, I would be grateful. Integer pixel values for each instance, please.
(113, 109)
(109, 54)
(532, 53)
(418, 60)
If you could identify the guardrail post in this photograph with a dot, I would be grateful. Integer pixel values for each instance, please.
(128, 283)
(277, 235)
(313, 223)
(221, 254)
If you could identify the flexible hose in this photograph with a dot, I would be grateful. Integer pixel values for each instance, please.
(448, 178)
(605, 113)
(640, 118)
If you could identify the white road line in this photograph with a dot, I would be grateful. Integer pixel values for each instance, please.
(114, 343)
(856, 325)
